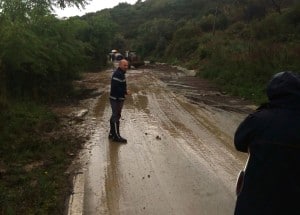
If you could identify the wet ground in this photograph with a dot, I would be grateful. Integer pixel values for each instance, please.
(179, 158)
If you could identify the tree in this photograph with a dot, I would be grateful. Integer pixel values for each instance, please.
(153, 36)
(100, 33)
(37, 51)
(45, 4)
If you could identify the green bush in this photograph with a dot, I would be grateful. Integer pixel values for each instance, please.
(292, 16)
(207, 22)
(240, 30)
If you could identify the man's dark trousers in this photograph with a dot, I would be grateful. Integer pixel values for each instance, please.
(116, 107)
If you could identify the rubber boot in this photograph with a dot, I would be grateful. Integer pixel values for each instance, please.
(118, 130)
(113, 134)
(117, 137)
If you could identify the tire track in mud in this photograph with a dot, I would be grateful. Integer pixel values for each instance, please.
(197, 128)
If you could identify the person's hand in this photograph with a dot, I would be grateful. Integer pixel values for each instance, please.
(128, 92)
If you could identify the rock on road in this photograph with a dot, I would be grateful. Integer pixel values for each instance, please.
(179, 158)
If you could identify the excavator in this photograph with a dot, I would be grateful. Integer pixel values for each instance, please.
(133, 59)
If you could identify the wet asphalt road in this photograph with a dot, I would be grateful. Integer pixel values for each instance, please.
(179, 158)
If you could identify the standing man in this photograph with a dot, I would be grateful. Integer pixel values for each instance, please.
(271, 184)
(118, 90)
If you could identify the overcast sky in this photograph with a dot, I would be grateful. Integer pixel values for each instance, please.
(94, 5)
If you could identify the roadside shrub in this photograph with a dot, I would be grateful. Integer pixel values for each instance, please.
(206, 23)
(243, 68)
(204, 49)
(277, 28)
(240, 29)
(203, 52)
(267, 28)
(206, 38)
(254, 11)
(183, 48)
(293, 15)
(222, 22)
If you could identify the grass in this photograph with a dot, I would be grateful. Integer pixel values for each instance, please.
(35, 151)
(244, 68)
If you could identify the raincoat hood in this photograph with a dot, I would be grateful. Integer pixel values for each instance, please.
(283, 90)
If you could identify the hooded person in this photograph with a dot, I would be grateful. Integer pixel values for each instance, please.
(271, 136)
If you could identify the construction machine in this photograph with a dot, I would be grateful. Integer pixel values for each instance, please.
(133, 59)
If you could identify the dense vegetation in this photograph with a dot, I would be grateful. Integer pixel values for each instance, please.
(39, 57)
(237, 43)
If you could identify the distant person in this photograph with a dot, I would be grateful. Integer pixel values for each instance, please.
(271, 136)
(112, 55)
(117, 58)
(118, 91)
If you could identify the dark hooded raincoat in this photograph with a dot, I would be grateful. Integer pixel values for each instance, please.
(272, 136)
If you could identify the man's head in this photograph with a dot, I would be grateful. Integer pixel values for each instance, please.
(123, 64)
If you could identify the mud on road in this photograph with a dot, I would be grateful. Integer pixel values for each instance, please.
(179, 158)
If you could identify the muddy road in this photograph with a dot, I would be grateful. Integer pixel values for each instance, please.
(179, 158)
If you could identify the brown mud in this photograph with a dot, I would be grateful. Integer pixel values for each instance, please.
(179, 158)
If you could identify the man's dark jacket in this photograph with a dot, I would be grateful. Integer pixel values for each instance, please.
(118, 88)
(272, 136)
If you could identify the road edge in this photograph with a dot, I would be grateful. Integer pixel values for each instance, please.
(75, 204)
